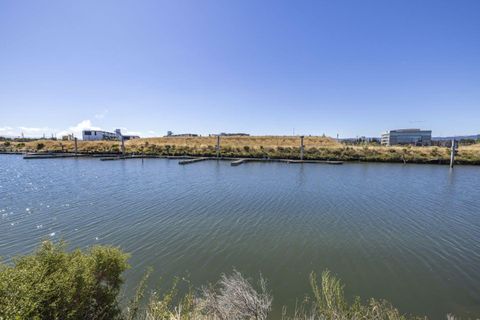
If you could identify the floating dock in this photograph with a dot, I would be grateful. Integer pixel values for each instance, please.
(29, 156)
(189, 161)
(237, 162)
(114, 158)
(183, 159)
(140, 156)
(315, 161)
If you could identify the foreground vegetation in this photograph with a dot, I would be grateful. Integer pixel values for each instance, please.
(55, 284)
(275, 147)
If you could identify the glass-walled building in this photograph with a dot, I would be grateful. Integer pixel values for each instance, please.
(414, 137)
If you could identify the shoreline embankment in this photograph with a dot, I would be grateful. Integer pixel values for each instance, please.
(252, 148)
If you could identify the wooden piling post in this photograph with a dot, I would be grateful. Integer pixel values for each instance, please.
(218, 146)
(453, 150)
(123, 146)
(301, 147)
(76, 146)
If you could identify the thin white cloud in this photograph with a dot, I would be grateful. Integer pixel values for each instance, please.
(7, 131)
(5, 128)
(132, 133)
(35, 131)
(101, 115)
(27, 130)
(127, 132)
(77, 130)
(152, 133)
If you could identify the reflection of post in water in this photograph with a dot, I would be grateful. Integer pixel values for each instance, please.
(217, 147)
(301, 175)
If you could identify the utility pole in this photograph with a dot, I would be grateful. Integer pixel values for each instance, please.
(217, 147)
(301, 148)
(453, 151)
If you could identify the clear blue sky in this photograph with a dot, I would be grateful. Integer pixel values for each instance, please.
(262, 67)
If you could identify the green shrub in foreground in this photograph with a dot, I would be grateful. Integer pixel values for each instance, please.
(55, 284)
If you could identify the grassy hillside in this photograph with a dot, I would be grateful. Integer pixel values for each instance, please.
(285, 147)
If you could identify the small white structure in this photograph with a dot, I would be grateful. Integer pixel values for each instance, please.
(97, 135)
(68, 137)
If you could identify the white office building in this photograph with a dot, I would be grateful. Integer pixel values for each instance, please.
(97, 135)
(414, 137)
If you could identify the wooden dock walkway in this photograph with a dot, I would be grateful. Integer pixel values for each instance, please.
(140, 156)
(189, 161)
(315, 161)
(240, 161)
(30, 156)
(237, 162)
(183, 159)
(115, 158)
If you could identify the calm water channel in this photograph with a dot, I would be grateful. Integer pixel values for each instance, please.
(409, 234)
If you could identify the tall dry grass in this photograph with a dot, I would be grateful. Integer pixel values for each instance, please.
(191, 142)
(235, 298)
(284, 147)
(239, 141)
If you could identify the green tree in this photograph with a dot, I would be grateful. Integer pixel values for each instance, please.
(55, 284)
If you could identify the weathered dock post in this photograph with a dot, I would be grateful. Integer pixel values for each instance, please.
(301, 147)
(217, 147)
(453, 151)
(76, 145)
(123, 146)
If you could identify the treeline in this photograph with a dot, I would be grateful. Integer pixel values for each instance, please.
(53, 283)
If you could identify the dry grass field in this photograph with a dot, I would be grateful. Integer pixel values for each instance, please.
(241, 141)
(286, 147)
(138, 145)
